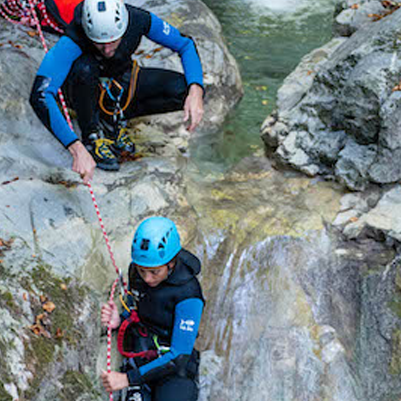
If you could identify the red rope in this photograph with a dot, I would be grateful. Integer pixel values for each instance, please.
(106, 238)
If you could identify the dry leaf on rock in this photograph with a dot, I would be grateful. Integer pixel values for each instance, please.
(49, 307)
(39, 330)
(59, 333)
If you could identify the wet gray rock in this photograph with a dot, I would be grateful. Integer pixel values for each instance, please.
(352, 15)
(345, 122)
(372, 214)
(49, 231)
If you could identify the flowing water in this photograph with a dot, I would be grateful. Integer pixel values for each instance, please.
(268, 38)
(266, 324)
(282, 310)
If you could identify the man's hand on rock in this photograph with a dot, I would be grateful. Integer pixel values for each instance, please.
(193, 107)
(83, 162)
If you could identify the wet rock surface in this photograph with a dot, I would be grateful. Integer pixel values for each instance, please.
(301, 278)
(344, 124)
(49, 225)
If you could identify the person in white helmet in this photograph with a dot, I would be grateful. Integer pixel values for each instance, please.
(98, 44)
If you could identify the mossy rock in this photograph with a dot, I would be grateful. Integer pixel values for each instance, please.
(75, 384)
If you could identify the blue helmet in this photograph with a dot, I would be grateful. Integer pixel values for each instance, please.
(156, 242)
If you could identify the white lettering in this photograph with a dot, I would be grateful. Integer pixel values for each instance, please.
(166, 28)
(187, 325)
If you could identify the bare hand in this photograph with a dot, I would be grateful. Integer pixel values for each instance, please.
(83, 162)
(109, 315)
(193, 107)
(114, 381)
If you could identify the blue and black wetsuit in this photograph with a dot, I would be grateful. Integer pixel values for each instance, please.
(76, 64)
(172, 311)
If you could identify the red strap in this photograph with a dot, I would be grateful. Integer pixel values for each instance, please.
(149, 355)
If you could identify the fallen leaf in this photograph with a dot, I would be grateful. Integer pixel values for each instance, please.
(25, 296)
(18, 46)
(9, 182)
(43, 299)
(129, 157)
(34, 230)
(377, 17)
(158, 49)
(59, 333)
(310, 72)
(39, 330)
(68, 184)
(32, 33)
(355, 6)
(36, 329)
(49, 307)
(63, 287)
(148, 56)
(34, 256)
(353, 219)
(1, 261)
(41, 316)
(6, 244)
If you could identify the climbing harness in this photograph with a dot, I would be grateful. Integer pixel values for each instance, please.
(133, 319)
(109, 86)
(120, 279)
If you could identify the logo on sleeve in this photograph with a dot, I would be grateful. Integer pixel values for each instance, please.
(187, 325)
(166, 28)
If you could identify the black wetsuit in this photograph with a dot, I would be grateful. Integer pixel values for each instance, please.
(75, 62)
(172, 311)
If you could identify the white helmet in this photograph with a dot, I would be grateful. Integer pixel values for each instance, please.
(104, 20)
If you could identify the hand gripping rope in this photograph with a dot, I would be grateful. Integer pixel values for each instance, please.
(119, 279)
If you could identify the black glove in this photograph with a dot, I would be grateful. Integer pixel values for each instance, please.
(134, 377)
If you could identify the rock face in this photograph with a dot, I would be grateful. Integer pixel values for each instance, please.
(293, 307)
(343, 121)
(51, 245)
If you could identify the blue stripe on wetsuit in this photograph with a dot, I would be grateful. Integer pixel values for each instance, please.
(56, 65)
(166, 35)
(188, 314)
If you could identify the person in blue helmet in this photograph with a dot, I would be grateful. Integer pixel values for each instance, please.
(169, 303)
(98, 48)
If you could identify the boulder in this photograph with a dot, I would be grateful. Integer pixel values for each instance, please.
(343, 121)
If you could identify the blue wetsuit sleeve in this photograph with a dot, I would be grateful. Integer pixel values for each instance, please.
(188, 314)
(166, 35)
(51, 75)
